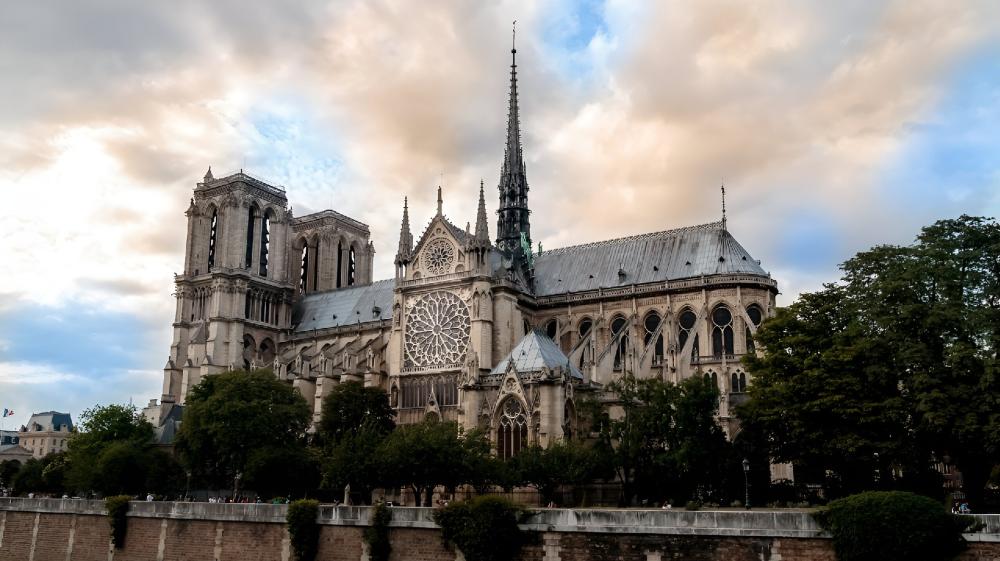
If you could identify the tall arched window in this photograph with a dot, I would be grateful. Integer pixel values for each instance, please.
(722, 331)
(212, 237)
(512, 431)
(352, 266)
(304, 268)
(651, 324)
(340, 264)
(618, 326)
(251, 219)
(265, 241)
(687, 320)
(756, 316)
(738, 382)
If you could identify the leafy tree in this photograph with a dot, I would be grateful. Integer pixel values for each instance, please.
(663, 439)
(29, 479)
(355, 460)
(427, 454)
(351, 407)
(8, 469)
(898, 359)
(562, 463)
(121, 427)
(231, 415)
(291, 471)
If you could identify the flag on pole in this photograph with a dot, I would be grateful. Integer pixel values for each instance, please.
(8, 412)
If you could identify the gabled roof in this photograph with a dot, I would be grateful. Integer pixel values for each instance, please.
(344, 306)
(695, 251)
(534, 352)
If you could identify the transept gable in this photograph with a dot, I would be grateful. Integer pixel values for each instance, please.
(440, 251)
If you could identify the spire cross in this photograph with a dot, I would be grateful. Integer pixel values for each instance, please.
(723, 205)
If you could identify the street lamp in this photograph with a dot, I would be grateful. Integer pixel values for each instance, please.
(746, 482)
(878, 473)
(236, 486)
(187, 488)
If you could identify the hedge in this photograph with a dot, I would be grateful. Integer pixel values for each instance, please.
(484, 528)
(303, 531)
(117, 508)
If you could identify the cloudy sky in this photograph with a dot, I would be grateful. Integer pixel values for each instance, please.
(834, 125)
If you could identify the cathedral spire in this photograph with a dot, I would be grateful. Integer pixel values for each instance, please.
(440, 202)
(482, 228)
(723, 205)
(513, 224)
(405, 237)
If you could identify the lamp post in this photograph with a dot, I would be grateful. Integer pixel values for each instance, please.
(236, 485)
(878, 472)
(746, 482)
(187, 488)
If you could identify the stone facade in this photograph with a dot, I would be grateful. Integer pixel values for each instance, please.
(261, 288)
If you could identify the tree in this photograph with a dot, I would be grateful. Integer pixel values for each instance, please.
(426, 454)
(229, 416)
(899, 358)
(663, 439)
(355, 461)
(291, 471)
(351, 406)
(29, 478)
(562, 463)
(112, 437)
(8, 469)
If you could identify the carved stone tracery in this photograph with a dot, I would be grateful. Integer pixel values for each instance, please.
(437, 331)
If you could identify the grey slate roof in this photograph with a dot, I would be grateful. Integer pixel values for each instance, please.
(50, 420)
(689, 252)
(534, 352)
(349, 305)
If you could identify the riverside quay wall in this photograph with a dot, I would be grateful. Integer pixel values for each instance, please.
(68, 529)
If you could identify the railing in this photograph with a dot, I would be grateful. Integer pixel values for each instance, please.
(259, 182)
(436, 279)
(650, 288)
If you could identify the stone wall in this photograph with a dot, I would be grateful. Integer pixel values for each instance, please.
(71, 530)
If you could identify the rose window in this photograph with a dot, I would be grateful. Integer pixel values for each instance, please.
(437, 330)
(439, 256)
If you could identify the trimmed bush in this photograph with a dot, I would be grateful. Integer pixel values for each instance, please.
(892, 526)
(303, 531)
(692, 505)
(377, 535)
(117, 507)
(484, 528)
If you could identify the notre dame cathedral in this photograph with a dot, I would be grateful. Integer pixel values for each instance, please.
(481, 330)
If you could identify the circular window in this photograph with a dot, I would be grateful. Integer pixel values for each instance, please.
(585, 325)
(551, 328)
(617, 324)
(755, 315)
(437, 330)
(687, 319)
(721, 316)
(439, 256)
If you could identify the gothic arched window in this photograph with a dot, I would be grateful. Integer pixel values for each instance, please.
(651, 325)
(512, 430)
(212, 237)
(722, 331)
(265, 241)
(687, 320)
(352, 266)
(304, 268)
(756, 315)
(340, 264)
(251, 219)
(619, 333)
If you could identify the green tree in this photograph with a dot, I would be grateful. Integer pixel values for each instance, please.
(290, 471)
(8, 469)
(424, 455)
(231, 415)
(562, 463)
(898, 359)
(29, 478)
(106, 438)
(355, 460)
(351, 407)
(663, 439)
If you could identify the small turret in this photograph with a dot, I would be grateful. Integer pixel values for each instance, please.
(208, 175)
(403, 253)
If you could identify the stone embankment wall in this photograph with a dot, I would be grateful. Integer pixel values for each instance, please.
(71, 530)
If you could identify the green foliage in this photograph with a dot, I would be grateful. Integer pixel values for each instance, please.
(666, 441)
(892, 526)
(430, 453)
(377, 535)
(355, 460)
(29, 478)
(8, 469)
(350, 408)
(562, 463)
(692, 505)
(303, 530)
(289, 470)
(111, 453)
(484, 528)
(229, 416)
(892, 367)
(117, 507)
